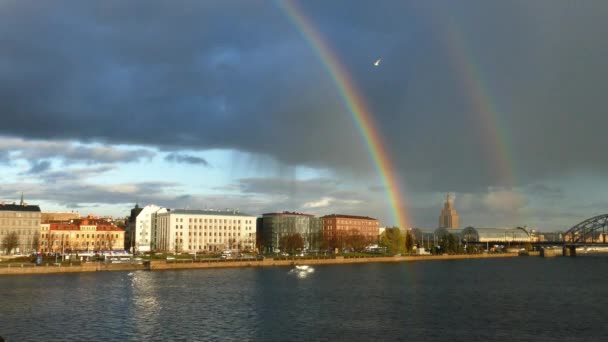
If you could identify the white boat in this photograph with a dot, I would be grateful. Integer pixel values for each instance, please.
(302, 267)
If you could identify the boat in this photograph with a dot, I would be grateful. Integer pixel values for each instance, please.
(302, 267)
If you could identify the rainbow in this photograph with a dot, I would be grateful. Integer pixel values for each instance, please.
(481, 101)
(355, 105)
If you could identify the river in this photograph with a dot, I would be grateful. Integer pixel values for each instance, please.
(514, 299)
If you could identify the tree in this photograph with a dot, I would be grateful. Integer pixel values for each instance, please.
(259, 242)
(10, 242)
(291, 243)
(111, 241)
(450, 244)
(323, 241)
(409, 241)
(178, 245)
(393, 240)
(36, 242)
(356, 241)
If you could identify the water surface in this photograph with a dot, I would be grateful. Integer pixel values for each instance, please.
(515, 299)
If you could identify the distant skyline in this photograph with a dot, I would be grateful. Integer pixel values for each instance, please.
(226, 104)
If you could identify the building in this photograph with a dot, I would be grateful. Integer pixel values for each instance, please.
(48, 217)
(155, 221)
(201, 231)
(278, 225)
(23, 220)
(449, 217)
(143, 229)
(495, 235)
(89, 234)
(130, 227)
(340, 227)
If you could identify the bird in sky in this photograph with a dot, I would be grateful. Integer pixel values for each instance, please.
(377, 62)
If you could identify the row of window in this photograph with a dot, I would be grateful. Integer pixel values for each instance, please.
(358, 222)
(82, 244)
(78, 235)
(195, 220)
(213, 227)
(18, 214)
(205, 234)
(19, 232)
(20, 222)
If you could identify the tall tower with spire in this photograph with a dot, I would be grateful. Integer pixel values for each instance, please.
(448, 217)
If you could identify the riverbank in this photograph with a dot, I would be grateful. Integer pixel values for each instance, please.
(162, 265)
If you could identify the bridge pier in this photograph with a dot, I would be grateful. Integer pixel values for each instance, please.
(569, 251)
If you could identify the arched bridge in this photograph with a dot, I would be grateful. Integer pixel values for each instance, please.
(591, 232)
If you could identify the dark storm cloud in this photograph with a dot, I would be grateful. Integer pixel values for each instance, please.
(39, 166)
(187, 159)
(33, 150)
(237, 75)
(273, 186)
(83, 193)
(545, 191)
(75, 174)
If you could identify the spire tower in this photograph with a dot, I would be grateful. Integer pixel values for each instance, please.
(449, 217)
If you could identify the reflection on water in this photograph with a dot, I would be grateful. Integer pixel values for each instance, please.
(301, 271)
(517, 299)
(146, 307)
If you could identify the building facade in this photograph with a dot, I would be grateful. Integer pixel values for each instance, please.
(142, 232)
(48, 217)
(278, 225)
(88, 234)
(23, 220)
(202, 231)
(340, 227)
(495, 235)
(130, 227)
(449, 217)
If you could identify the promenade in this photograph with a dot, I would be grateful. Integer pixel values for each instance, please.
(161, 265)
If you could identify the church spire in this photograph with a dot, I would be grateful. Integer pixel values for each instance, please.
(21, 203)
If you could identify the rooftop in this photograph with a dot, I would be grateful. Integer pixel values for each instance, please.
(207, 212)
(349, 216)
(19, 207)
(288, 213)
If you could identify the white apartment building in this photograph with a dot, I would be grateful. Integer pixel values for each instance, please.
(143, 234)
(190, 231)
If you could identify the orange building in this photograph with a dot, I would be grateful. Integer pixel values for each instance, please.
(86, 234)
(337, 227)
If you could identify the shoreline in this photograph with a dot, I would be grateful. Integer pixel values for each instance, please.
(162, 265)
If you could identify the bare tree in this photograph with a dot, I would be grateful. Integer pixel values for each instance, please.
(36, 242)
(10, 242)
(178, 245)
(356, 241)
(291, 243)
(111, 241)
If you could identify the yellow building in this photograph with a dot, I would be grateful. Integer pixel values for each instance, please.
(87, 234)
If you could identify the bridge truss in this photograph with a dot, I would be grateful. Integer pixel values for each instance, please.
(593, 230)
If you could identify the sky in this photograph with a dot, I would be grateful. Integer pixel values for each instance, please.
(227, 104)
